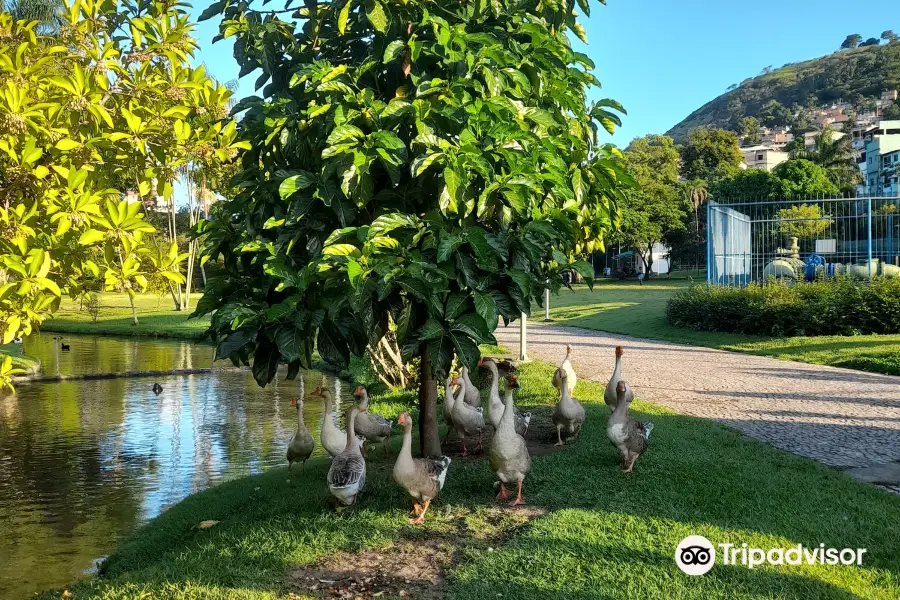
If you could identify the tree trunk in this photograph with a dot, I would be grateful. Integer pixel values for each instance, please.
(133, 309)
(174, 297)
(429, 440)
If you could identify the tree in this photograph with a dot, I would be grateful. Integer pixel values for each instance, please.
(892, 112)
(803, 179)
(889, 36)
(656, 207)
(870, 42)
(774, 114)
(750, 131)
(710, 154)
(47, 13)
(852, 41)
(803, 221)
(750, 185)
(431, 165)
(98, 103)
(835, 155)
(736, 111)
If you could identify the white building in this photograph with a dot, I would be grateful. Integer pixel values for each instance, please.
(763, 157)
(881, 159)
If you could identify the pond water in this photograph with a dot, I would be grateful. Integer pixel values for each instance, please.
(83, 463)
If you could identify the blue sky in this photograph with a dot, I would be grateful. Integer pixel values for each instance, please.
(664, 59)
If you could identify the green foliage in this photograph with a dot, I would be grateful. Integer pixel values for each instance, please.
(852, 41)
(836, 156)
(791, 179)
(430, 164)
(105, 101)
(656, 207)
(867, 71)
(803, 221)
(750, 130)
(838, 306)
(7, 372)
(710, 155)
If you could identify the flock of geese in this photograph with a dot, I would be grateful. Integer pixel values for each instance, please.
(423, 478)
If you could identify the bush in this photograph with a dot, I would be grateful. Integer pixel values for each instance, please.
(839, 306)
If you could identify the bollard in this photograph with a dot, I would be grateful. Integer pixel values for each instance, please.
(523, 339)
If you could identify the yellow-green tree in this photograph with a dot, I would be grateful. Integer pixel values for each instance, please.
(803, 221)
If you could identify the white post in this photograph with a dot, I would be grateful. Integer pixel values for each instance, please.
(523, 339)
(547, 302)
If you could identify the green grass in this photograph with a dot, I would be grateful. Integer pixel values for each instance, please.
(601, 533)
(155, 319)
(640, 311)
(19, 361)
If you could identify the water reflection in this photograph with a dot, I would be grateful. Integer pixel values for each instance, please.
(84, 462)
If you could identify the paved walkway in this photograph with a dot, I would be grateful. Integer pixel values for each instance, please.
(840, 417)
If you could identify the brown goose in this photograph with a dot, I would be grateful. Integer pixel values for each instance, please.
(629, 435)
(510, 459)
(422, 478)
(347, 474)
(569, 413)
(302, 444)
(374, 428)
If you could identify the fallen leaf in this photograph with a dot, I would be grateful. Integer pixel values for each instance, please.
(207, 524)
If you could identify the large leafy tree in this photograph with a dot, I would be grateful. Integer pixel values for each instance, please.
(428, 164)
(657, 207)
(710, 155)
(99, 105)
(835, 155)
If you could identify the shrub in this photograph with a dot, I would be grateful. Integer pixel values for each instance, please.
(839, 306)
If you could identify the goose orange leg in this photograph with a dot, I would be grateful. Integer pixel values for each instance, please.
(421, 517)
(518, 501)
(504, 493)
(385, 445)
(559, 436)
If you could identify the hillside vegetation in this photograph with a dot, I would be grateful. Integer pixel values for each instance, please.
(865, 71)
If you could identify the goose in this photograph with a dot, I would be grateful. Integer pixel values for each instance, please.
(448, 407)
(422, 478)
(347, 474)
(65, 347)
(629, 435)
(495, 407)
(509, 455)
(333, 439)
(467, 420)
(566, 365)
(374, 428)
(157, 389)
(17, 340)
(610, 396)
(302, 444)
(569, 412)
(473, 396)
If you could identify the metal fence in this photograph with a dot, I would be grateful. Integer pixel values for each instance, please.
(799, 240)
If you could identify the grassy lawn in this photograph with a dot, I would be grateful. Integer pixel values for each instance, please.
(590, 530)
(632, 309)
(155, 318)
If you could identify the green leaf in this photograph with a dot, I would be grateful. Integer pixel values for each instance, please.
(585, 7)
(486, 307)
(466, 349)
(456, 304)
(290, 341)
(440, 352)
(344, 133)
(91, 237)
(431, 330)
(332, 345)
(421, 163)
(234, 342)
(388, 222)
(265, 362)
(378, 18)
(294, 183)
(474, 326)
(404, 322)
(585, 269)
(344, 16)
(448, 245)
(394, 51)
(66, 144)
(341, 250)
(522, 280)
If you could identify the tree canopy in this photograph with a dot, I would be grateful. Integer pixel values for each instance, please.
(791, 179)
(851, 41)
(710, 154)
(422, 166)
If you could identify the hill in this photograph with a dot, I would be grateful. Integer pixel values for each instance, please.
(847, 74)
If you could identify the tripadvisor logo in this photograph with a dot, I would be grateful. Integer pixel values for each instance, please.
(696, 555)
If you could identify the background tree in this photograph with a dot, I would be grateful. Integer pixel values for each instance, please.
(889, 36)
(804, 179)
(430, 165)
(656, 207)
(47, 13)
(852, 41)
(892, 112)
(749, 185)
(835, 155)
(710, 154)
(803, 221)
(751, 131)
(869, 42)
(95, 104)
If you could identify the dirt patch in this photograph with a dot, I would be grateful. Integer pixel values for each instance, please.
(413, 567)
(403, 570)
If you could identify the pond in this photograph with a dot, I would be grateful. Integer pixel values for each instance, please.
(83, 463)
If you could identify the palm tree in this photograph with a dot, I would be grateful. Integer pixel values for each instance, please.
(46, 12)
(833, 155)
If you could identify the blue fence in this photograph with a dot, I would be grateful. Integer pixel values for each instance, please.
(802, 239)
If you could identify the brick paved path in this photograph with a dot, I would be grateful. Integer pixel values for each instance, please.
(840, 417)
